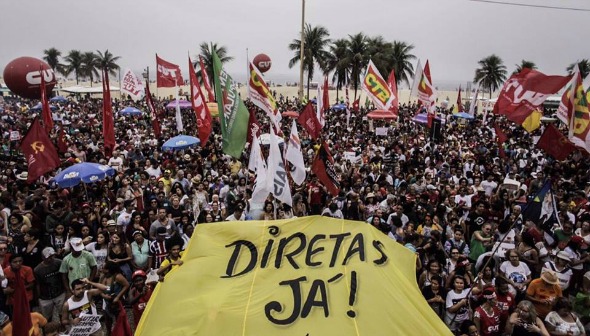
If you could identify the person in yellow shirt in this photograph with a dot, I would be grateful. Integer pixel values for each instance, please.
(173, 260)
(37, 319)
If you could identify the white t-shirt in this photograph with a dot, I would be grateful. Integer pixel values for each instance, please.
(518, 274)
(452, 299)
(489, 187)
(116, 163)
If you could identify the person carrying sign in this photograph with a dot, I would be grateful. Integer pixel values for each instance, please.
(81, 302)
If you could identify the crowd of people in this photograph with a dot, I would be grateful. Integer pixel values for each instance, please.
(450, 197)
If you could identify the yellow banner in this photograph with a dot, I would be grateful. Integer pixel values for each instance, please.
(307, 276)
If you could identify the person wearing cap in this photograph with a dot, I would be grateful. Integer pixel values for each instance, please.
(77, 265)
(49, 285)
(487, 316)
(139, 294)
(140, 250)
(117, 209)
(112, 227)
(560, 265)
(543, 292)
(238, 214)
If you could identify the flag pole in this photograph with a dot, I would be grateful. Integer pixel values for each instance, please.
(301, 50)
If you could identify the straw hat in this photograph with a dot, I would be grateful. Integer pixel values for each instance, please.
(550, 277)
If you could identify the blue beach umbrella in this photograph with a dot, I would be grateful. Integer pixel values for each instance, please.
(339, 107)
(130, 111)
(463, 115)
(39, 107)
(180, 142)
(84, 172)
(58, 99)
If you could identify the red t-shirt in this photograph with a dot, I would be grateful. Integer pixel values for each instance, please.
(506, 305)
(26, 274)
(140, 305)
(488, 325)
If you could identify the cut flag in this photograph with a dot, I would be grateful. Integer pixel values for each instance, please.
(253, 127)
(108, 122)
(523, 94)
(427, 94)
(308, 120)
(132, 85)
(575, 108)
(393, 102)
(323, 167)
(276, 181)
(201, 109)
(260, 95)
(459, 106)
(153, 115)
(555, 144)
(233, 114)
(46, 111)
(295, 156)
(169, 74)
(206, 82)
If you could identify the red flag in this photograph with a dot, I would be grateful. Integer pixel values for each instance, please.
(47, 118)
(206, 82)
(524, 93)
(199, 106)
(39, 151)
(153, 113)
(355, 105)
(168, 73)
(500, 139)
(323, 167)
(253, 126)
(21, 316)
(555, 144)
(108, 123)
(394, 100)
(121, 327)
(308, 120)
(326, 96)
(62, 144)
(459, 101)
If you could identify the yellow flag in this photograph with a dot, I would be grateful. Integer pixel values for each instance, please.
(306, 276)
(533, 121)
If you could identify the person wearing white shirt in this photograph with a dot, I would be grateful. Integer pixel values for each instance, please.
(116, 161)
(489, 185)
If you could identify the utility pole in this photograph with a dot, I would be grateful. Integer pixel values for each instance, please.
(301, 51)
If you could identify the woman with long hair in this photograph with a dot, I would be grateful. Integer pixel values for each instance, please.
(120, 253)
(561, 320)
(524, 321)
(99, 249)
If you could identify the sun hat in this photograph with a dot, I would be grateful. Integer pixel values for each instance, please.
(550, 277)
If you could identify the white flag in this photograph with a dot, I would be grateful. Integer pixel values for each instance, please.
(179, 126)
(417, 79)
(321, 105)
(260, 192)
(295, 157)
(474, 101)
(277, 181)
(132, 85)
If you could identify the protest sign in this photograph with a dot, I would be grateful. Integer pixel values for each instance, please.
(88, 325)
(304, 276)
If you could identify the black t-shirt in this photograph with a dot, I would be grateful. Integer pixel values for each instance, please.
(476, 221)
(49, 280)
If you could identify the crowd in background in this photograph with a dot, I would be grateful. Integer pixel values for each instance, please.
(449, 197)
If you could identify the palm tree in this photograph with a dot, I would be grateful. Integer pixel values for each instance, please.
(491, 74)
(583, 65)
(524, 64)
(336, 63)
(357, 58)
(401, 62)
(380, 52)
(316, 40)
(207, 54)
(107, 62)
(74, 64)
(89, 66)
(52, 56)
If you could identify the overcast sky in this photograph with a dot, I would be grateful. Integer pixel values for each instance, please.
(453, 34)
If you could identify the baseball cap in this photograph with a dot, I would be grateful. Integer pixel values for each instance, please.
(76, 244)
(120, 200)
(137, 232)
(47, 252)
(161, 231)
(111, 222)
(138, 273)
